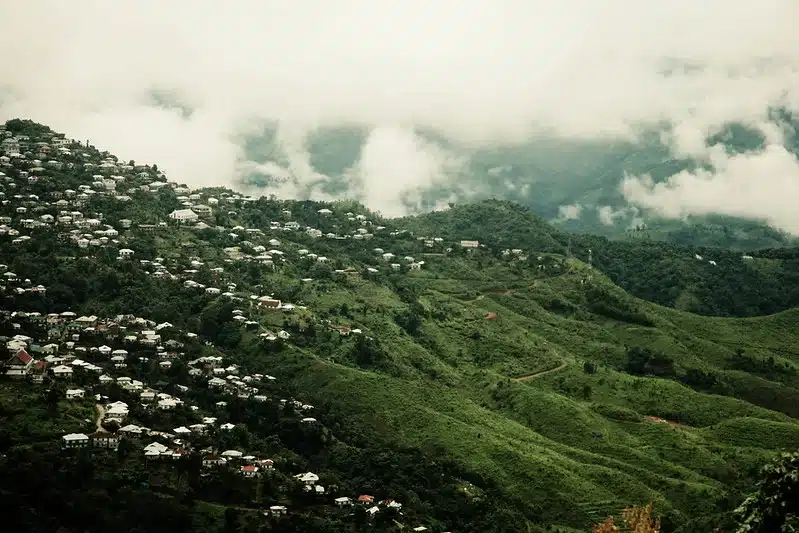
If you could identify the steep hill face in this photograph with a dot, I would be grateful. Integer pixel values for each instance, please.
(553, 396)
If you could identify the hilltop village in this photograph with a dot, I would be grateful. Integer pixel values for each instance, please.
(184, 359)
(147, 388)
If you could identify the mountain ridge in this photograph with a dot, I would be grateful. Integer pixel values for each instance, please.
(654, 404)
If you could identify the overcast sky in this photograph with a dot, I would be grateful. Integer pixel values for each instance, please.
(481, 71)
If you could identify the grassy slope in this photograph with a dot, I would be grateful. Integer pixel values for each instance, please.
(572, 457)
(668, 274)
(572, 445)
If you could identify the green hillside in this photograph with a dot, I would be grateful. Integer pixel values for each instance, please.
(764, 282)
(547, 390)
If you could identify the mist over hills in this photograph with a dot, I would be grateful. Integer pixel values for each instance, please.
(602, 118)
(580, 186)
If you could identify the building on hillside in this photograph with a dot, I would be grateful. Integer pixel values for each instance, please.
(103, 439)
(184, 215)
(73, 394)
(75, 440)
(470, 244)
(62, 372)
(266, 302)
(19, 365)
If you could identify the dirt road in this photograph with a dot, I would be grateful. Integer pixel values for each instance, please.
(543, 372)
(100, 416)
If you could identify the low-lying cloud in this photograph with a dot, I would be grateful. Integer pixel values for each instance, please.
(476, 71)
(759, 185)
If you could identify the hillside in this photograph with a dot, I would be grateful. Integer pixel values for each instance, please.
(484, 390)
(703, 280)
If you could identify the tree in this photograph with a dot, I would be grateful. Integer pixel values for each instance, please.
(774, 506)
(634, 520)
(231, 520)
(54, 395)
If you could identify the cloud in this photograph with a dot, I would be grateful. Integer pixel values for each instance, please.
(498, 72)
(607, 215)
(569, 212)
(394, 167)
(759, 185)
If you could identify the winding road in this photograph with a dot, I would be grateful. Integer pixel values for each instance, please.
(543, 372)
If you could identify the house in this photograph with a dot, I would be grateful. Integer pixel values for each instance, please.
(267, 302)
(155, 449)
(132, 430)
(232, 454)
(343, 501)
(19, 365)
(125, 253)
(202, 210)
(116, 411)
(39, 371)
(62, 372)
(184, 215)
(391, 504)
(75, 440)
(366, 499)
(168, 404)
(103, 439)
(213, 460)
(75, 393)
(470, 244)
(216, 383)
(249, 471)
(309, 478)
(278, 510)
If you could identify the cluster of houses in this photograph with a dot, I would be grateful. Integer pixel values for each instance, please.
(32, 197)
(67, 360)
(49, 183)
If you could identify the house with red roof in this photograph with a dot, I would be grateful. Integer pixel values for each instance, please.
(39, 371)
(19, 365)
(249, 471)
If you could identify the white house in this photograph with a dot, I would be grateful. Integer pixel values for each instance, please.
(62, 371)
(116, 411)
(184, 215)
(309, 478)
(75, 393)
(75, 440)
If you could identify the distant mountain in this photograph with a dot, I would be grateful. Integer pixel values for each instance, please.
(545, 174)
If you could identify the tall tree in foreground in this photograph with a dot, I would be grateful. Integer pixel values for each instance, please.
(634, 520)
(774, 506)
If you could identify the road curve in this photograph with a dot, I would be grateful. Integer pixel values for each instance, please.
(543, 372)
